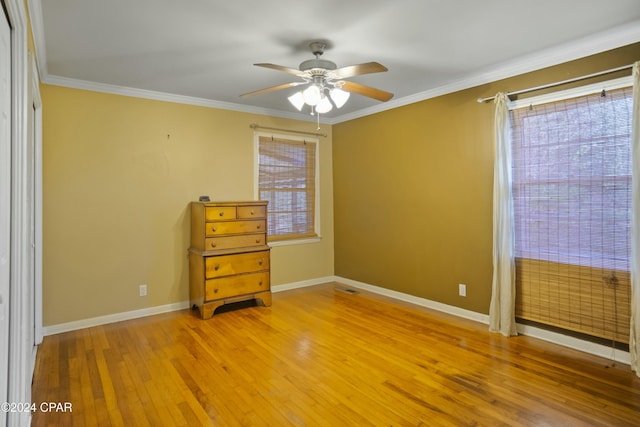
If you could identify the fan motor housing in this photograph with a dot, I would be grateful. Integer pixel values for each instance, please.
(316, 63)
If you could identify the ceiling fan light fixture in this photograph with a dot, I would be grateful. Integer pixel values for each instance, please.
(297, 100)
(311, 95)
(324, 106)
(339, 96)
(325, 82)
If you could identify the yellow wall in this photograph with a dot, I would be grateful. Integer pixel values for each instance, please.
(413, 190)
(119, 173)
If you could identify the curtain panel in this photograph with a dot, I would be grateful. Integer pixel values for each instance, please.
(502, 308)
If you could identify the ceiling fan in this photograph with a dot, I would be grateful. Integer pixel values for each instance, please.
(326, 86)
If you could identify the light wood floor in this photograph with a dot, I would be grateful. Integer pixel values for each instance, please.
(322, 357)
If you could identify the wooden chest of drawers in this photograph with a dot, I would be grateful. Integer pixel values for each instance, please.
(229, 259)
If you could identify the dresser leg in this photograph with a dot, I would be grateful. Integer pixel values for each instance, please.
(264, 298)
(207, 310)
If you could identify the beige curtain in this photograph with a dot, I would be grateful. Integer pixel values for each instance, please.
(502, 309)
(634, 338)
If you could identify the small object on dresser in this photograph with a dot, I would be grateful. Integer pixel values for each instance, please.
(204, 199)
(229, 256)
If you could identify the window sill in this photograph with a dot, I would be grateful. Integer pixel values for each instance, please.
(303, 241)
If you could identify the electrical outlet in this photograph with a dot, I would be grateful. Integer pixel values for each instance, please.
(143, 290)
(462, 290)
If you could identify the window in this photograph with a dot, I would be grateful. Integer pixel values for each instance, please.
(287, 177)
(572, 208)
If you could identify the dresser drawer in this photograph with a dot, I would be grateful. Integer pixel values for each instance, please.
(226, 287)
(235, 227)
(227, 265)
(220, 212)
(240, 241)
(246, 212)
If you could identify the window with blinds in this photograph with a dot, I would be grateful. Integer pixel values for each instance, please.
(572, 204)
(287, 178)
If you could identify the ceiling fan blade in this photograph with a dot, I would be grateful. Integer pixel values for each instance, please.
(281, 68)
(358, 70)
(371, 92)
(272, 89)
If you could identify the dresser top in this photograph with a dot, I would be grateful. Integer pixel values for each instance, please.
(244, 203)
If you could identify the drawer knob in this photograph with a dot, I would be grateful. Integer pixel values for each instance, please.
(217, 267)
(213, 245)
(214, 228)
(260, 262)
(260, 283)
(257, 240)
(215, 291)
(221, 213)
(252, 213)
(258, 226)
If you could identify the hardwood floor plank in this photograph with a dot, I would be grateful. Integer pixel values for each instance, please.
(322, 357)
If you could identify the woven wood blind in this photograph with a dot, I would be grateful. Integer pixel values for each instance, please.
(572, 204)
(286, 178)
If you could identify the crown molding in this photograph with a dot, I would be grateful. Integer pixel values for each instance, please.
(590, 45)
(593, 44)
(168, 97)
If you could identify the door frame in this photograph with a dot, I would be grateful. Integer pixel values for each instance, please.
(21, 260)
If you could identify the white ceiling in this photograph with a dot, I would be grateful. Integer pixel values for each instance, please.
(202, 51)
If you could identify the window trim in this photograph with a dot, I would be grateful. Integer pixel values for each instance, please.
(256, 185)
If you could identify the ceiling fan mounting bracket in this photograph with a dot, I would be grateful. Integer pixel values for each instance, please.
(317, 48)
(317, 66)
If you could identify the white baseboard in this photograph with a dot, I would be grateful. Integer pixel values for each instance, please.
(532, 331)
(457, 311)
(606, 352)
(135, 314)
(112, 318)
(302, 284)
